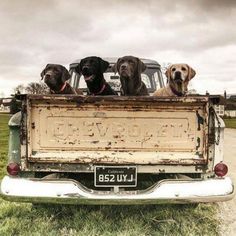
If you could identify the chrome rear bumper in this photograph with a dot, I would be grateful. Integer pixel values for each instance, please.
(72, 192)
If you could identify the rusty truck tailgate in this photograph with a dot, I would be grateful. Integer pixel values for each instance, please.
(139, 130)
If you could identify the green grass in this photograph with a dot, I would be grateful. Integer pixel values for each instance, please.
(23, 219)
(27, 219)
(3, 142)
(230, 123)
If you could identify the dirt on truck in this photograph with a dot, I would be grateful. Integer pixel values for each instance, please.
(116, 150)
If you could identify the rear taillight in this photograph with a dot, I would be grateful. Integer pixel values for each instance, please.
(221, 169)
(13, 168)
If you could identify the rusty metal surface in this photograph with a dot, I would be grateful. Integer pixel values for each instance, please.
(89, 168)
(141, 130)
(79, 100)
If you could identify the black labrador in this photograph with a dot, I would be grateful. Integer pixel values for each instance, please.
(130, 68)
(56, 76)
(92, 68)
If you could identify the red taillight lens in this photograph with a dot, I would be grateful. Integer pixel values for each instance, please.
(221, 169)
(13, 169)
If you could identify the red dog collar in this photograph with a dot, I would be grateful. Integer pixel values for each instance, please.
(61, 90)
(63, 87)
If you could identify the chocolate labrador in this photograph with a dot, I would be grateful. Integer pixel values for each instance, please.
(92, 68)
(178, 77)
(56, 76)
(130, 68)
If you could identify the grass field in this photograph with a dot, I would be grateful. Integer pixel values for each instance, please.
(230, 123)
(26, 219)
(3, 142)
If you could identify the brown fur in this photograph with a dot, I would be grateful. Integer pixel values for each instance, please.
(56, 76)
(130, 68)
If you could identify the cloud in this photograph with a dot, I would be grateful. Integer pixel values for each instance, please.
(199, 32)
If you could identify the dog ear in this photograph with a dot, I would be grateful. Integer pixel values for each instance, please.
(115, 68)
(65, 74)
(103, 65)
(191, 72)
(78, 67)
(141, 66)
(43, 72)
(167, 73)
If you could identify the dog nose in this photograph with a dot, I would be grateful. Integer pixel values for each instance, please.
(85, 69)
(178, 75)
(123, 66)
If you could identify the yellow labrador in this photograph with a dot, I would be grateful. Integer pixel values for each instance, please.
(178, 77)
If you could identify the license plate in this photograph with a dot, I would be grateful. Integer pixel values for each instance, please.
(111, 176)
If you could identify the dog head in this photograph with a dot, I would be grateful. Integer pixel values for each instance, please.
(92, 68)
(129, 67)
(178, 76)
(55, 76)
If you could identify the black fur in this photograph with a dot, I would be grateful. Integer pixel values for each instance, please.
(92, 68)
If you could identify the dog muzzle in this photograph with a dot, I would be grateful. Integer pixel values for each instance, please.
(87, 73)
(47, 78)
(178, 77)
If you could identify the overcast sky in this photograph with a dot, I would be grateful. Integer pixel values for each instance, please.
(201, 33)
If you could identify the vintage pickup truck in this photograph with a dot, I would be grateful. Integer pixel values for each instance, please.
(74, 149)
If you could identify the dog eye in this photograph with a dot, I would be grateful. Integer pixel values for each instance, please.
(173, 69)
(183, 69)
(131, 62)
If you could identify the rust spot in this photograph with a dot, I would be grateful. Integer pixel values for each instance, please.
(33, 125)
(200, 120)
(198, 143)
(94, 142)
